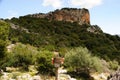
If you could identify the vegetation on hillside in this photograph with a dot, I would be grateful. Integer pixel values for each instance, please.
(25, 55)
(59, 34)
(80, 63)
(36, 39)
(80, 58)
(4, 33)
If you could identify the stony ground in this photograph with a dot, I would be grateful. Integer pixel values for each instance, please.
(100, 76)
(15, 74)
(115, 75)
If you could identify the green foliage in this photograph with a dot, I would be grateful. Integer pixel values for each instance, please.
(63, 51)
(21, 55)
(113, 65)
(60, 34)
(48, 47)
(4, 30)
(24, 55)
(80, 58)
(2, 48)
(44, 62)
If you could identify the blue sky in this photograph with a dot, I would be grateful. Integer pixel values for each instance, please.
(104, 13)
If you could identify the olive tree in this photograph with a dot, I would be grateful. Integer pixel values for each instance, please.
(81, 58)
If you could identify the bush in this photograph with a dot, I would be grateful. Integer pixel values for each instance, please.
(114, 65)
(2, 49)
(25, 55)
(44, 62)
(80, 58)
(21, 56)
(4, 32)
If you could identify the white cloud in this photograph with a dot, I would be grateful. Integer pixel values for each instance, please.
(53, 3)
(12, 14)
(85, 3)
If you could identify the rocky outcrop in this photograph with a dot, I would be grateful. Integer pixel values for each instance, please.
(115, 76)
(94, 29)
(80, 16)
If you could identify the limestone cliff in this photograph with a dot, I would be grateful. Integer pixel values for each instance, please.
(80, 16)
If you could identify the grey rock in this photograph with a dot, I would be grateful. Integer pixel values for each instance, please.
(114, 76)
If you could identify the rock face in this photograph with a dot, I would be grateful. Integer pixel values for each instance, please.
(115, 76)
(80, 16)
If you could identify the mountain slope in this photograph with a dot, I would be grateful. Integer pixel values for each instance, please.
(41, 32)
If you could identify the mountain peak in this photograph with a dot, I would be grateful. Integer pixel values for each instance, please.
(80, 16)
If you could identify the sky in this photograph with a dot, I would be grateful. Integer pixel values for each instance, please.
(104, 13)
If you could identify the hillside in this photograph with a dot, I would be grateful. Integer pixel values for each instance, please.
(41, 32)
(37, 36)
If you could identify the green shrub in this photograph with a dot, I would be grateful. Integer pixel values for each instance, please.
(2, 49)
(48, 47)
(21, 56)
(44, 62)
(4, 32)
(80, 58)
(114, 65)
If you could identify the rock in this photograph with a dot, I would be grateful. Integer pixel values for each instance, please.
(62, 71)
(62, 74)
(114, 76)
(65, 77)
(1, 71)
(9, 47)
(80, 16)
(4, 77)
(36, 77)
(100, 76)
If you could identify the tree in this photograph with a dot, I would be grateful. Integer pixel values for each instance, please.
(44, 62)
(80, 58)
(2, 49)
(4, 32)
(20, 56)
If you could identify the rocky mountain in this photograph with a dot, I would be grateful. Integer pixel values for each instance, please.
(80, 16)
(60, 29)
(39, 35)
